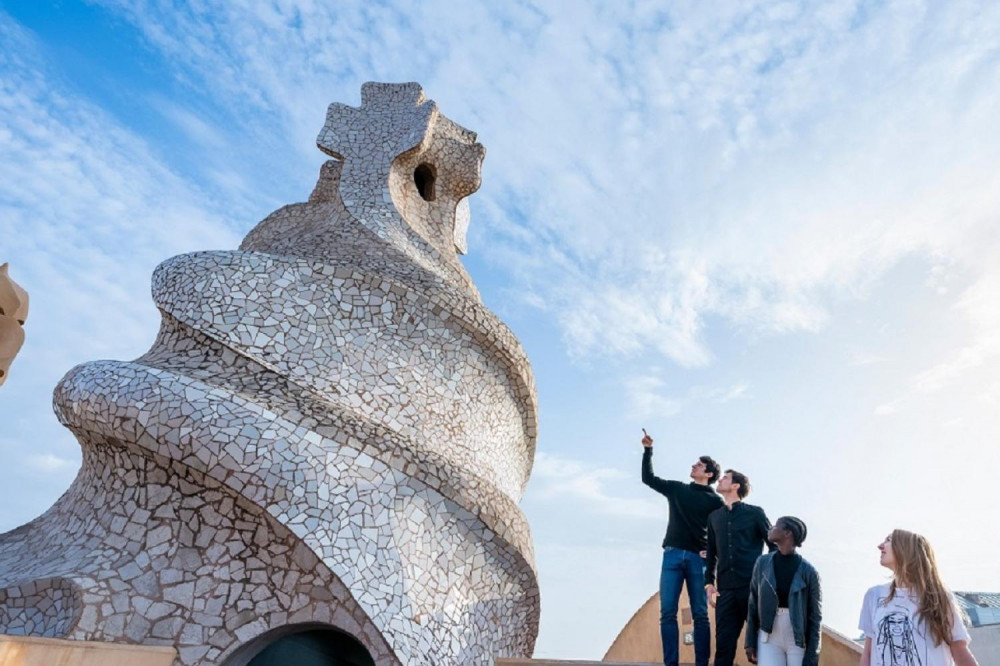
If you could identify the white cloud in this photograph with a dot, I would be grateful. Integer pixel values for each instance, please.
(47, 462)
(887, 408)
(980, 305)
(650, 397)
(201, 131)
(964, 359)
(87, 211)
(862, 359)
(670, 186)
(646, 398)
(991, 394)
(970, 368)
(757, 163)
(726, 394)
(556, 477)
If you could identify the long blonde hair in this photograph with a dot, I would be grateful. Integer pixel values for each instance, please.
(916, 570)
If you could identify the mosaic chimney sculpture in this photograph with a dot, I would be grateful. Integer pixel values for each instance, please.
(13, 314)
(329, 431)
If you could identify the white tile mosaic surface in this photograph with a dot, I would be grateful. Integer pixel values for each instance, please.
(330, 427)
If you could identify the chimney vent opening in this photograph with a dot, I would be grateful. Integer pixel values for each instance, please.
(423, 177)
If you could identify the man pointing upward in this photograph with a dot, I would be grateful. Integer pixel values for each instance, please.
(683, 545)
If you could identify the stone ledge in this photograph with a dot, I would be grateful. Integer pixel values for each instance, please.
(33, 651)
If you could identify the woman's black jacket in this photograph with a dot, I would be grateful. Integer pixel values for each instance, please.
(805, 601)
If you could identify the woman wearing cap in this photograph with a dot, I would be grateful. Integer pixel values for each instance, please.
(784, 617)
(913, 619)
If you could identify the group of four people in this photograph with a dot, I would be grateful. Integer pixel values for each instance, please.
(714, 545)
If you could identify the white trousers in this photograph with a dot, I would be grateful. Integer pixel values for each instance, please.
(778, 648)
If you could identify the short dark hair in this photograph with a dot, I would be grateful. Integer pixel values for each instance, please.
(743, 480)
(711, 467)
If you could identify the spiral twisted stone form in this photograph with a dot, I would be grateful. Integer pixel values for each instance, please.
(329, 430)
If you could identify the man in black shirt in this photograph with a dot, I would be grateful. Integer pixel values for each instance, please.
(737, 534)
(683, 548)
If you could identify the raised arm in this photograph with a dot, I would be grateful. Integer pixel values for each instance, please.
(661, 486)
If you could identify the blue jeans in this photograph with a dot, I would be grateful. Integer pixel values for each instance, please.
(683, 566)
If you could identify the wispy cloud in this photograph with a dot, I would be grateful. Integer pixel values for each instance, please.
(980, 305)
(861, 360)
(199, 130)
(670, 187)
(972, 366)
(557, 477)
(647, 397)
(723, 394)
(87, 210)
(711, 130)
(75, 187)
(650, 396)
(887, 408)
(48, 462)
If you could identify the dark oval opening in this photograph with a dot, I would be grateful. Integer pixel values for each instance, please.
(303, 645)
(423, 177)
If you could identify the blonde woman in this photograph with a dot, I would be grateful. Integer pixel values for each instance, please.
(913, 620)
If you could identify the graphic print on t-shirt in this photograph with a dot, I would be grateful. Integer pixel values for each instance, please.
(898, 636)
(895, 640)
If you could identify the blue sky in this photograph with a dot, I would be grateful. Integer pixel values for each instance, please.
(768, 231)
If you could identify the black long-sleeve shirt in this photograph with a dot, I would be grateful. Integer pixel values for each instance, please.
(690, 504)
(736, 538)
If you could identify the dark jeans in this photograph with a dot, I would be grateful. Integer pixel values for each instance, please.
(730, 617)
(683, 566)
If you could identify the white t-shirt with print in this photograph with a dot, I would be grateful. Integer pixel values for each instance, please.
(898, 636)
